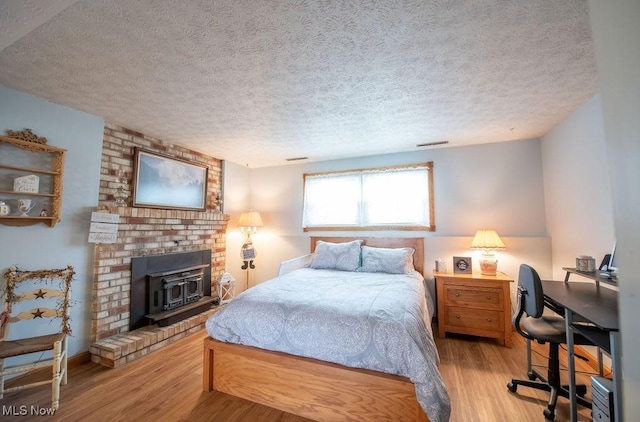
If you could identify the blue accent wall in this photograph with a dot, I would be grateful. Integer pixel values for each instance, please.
(39, 246)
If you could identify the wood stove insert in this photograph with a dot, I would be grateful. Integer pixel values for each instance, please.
(168, 288)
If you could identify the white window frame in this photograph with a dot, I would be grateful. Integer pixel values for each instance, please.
(357, 224)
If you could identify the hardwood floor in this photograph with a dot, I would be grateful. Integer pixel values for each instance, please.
(476, 372)
(166, 386)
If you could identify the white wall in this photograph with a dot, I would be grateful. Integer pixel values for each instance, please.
(492, 185)
(616, 35)
(236, 181)
(40, 246)
(577, 188)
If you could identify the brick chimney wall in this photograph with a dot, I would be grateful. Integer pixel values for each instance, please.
(147, 231)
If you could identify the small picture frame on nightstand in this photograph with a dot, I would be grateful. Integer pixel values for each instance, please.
(462, 265)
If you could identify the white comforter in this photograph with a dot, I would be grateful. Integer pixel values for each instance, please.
(363, 320)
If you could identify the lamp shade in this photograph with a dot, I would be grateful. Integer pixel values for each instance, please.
(250, 219)
(487, 239)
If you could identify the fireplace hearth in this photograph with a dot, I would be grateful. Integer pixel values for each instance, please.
(168, 288)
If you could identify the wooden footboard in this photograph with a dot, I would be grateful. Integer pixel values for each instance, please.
(306, 387)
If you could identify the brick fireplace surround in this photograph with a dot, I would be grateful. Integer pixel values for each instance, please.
(145, 232)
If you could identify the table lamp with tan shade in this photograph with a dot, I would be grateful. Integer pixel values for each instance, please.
(488, 241)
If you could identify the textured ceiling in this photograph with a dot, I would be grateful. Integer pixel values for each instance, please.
(256, 82)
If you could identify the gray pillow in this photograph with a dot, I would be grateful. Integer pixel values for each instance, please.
(387, 260)
(337, 256)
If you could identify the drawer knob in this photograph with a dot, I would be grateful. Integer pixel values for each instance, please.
(488, 297)
(457, 316)
(488, 319)
(457, 294)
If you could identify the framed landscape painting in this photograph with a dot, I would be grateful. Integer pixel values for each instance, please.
(165, 182)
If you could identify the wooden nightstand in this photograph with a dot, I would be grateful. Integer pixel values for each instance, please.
(474, 304)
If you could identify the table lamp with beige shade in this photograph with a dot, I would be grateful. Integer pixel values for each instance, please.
(488, 241)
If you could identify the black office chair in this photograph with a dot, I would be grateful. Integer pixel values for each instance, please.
(543, 329)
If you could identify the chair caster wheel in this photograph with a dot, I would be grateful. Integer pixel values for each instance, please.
(531, 376)
(581, 390)
(512, 387)
(549, 414)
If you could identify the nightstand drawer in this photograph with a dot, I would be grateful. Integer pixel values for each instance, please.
(474, 318)
(485, 298)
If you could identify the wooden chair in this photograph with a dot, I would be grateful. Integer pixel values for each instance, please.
(31, 296)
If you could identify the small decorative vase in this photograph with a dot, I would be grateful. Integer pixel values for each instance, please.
(4, 209)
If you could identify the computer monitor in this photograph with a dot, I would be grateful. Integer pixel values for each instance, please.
(613, 262)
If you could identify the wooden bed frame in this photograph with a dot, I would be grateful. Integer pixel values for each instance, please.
(311, 388)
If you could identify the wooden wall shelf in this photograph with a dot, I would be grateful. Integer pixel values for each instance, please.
(39, 159)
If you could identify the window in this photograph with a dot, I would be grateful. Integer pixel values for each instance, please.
(370, 199)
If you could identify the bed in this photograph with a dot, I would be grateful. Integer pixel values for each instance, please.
(332, 340)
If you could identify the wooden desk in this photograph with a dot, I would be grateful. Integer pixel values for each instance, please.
(587, 302)
(474, 304)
